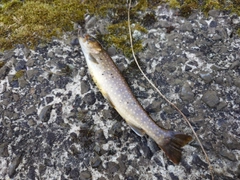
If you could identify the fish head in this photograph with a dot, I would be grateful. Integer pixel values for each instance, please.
(89, 44)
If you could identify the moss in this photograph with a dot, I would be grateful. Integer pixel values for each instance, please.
(119, 37)
(18, 74)
(238, 31)
(174, 3)
(185, 10)
(141, 5)
(31, 22)
(148, 20)
(1, 64)
(185, 7)
(153, 3)
(209, 5)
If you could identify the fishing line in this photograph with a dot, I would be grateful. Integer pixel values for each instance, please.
(184, 117)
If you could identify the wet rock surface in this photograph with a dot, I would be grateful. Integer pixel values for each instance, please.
(55, 124)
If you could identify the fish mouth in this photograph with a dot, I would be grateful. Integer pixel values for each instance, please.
(81, 35)
(87, 41)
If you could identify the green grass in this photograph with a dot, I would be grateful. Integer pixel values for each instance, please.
(31, 22)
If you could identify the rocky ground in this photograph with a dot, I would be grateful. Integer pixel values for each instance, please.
(55, 124)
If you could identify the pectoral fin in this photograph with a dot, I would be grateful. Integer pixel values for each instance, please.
(93, 59)
(138, 131)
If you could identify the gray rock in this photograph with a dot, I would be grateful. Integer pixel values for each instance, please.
(116, 177)
(45, 113)
(221, 105)
(74, 41)
(42, 168)
(30, 62)
(50, 54)
(32, 73)
(235, 64)
(14, 164)
(187, 26)
(173, 177)
(82, 72)
(10, 114)
(31, 172)
(22, 82)
(147, 152)
(31, 122)
(217, 37)
(16, 97)
(188, 68)
(206, 76)
(193, 15)
(210, 98)
(214, 13)
(107, 113)
(163, 24)
(41, 59)
(186, 93)
(236, 82)
(223, 49)
(116, 129)
(96, 162)
(213, 24)
(155, 106)
(89, 99)
(4, 149)
(74, 173)
(238, 171)
(50, 138)
(8, 54)
(4, 71)
(112, 167)
(84, 87)
(171, 68)
(85, 175)
(97, 149)
(112, 51)
(198, 161)
(228, 154)
(219, 80)
(122, 164)
(20, 65)
(30, 111)
(58, 51)
(91, 22)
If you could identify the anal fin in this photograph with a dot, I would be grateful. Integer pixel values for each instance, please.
(138, 131)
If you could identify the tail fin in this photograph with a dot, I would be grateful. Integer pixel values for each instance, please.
(172, 145)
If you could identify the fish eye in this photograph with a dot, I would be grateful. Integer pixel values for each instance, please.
(90, 38)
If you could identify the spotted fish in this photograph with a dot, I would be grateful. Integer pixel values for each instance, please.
(114, 88)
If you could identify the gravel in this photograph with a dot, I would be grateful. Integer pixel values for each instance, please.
(55, 124)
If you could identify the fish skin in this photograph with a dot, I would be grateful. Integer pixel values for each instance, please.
(114, 88)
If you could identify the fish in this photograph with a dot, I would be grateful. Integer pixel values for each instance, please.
(116, 91)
